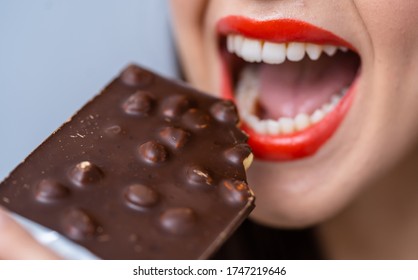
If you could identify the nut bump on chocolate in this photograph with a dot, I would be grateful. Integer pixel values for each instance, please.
(225, 111)
(196, 175)
(196, 119)
(135, 76)
(85, 173)
(140, 103)
(50, 190)
(174, 137)
(179, 220)
(174, 106)
(238, 153)
(153, 152)
(78, 225)
(235, 192)
(139, 196)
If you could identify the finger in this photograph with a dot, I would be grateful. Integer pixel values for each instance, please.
(16, 243)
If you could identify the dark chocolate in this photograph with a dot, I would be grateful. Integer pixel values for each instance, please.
(238, 153)
(153, 152)
(140, 103)
(140, 197)
(174, 137)
(225, 111)
(180, 220)
(78, 225)
(197, 175)
(50, 190)
(85, 173)
(174, 106)
(149, 169)
(136, 76)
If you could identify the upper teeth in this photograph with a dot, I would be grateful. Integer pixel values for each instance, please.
(253, 50)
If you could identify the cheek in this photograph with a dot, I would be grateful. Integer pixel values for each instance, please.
(390, 23)
(392, 68)
(187, 22)
(393, 36)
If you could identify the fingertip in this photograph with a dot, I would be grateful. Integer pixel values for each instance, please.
(16, 243)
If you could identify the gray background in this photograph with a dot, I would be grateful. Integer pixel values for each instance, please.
(57, 54)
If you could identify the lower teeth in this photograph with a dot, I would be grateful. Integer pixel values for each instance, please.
(247, 97)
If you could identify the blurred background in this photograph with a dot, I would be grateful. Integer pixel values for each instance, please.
(55, 55)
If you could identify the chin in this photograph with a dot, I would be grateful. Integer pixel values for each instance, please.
(296, 217)
(295, 195)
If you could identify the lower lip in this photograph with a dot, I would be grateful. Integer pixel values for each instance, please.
(297, 145)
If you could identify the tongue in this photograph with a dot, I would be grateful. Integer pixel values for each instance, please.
(301, 87)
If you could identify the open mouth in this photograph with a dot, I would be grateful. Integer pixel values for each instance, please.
(293, 83)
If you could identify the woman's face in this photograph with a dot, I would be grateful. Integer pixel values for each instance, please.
(327, 91)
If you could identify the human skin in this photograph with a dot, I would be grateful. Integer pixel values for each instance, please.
(358, 188)
(16, 243)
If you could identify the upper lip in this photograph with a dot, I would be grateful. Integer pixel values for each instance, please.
(279, 31)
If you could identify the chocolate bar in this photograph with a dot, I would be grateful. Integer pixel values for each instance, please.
(148, 169)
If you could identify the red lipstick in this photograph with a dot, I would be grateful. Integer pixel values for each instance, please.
(299, 144)
(279, 31)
